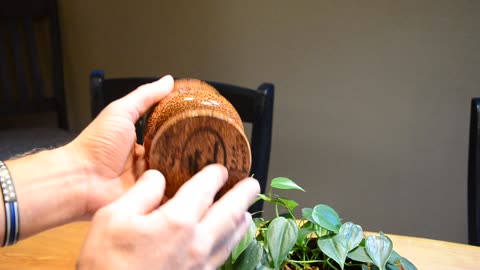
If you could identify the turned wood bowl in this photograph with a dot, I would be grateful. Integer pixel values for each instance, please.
(192, 127)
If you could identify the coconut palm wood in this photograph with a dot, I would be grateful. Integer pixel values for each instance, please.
(192, 127)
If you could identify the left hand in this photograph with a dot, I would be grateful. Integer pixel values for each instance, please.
(107, 148)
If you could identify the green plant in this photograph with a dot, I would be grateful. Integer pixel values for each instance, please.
(317, 241)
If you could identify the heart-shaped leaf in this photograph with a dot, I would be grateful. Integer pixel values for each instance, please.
(394, 258)
(285, 183)
(359, 254)
(245, 242)
(334, 249)
(290, 204)
(369, 267)
(326, 217)
(307, 213)
(281, 236)
(227, 265)
(259, 222)
(262, 267)
(379, 248)
(397, 262)
(352, 234)
(407, 265)
(303, 233)
(389, 266)
(250, 258)
(337, 247)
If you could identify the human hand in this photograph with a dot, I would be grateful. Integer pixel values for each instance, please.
(107, 148)
(187, 232)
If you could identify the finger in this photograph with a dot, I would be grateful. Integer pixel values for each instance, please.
(197, 194)
(227, 213)
(147, 95)
(231, 206)
(223, 248)
(144, 196)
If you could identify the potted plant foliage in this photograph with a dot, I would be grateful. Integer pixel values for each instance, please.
(319, 240)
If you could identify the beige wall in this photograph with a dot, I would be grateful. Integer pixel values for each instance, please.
(372, 97)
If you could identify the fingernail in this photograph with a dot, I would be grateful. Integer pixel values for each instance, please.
(168, 76)
(220, 171)
(164, 78)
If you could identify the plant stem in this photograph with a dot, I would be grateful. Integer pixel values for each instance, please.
(291, 213)
(331, 265)
(311, 261)
(354, 264)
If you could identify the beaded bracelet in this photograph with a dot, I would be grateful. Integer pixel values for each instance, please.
(12, 217)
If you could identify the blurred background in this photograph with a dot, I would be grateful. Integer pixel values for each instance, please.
(372, 97)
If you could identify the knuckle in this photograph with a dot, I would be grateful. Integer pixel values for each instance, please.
(206, 193)
(201, 248)
(182, 223)
(237, 217)
(114, 105)
(198, 253)
(104, 214)
(109, 217)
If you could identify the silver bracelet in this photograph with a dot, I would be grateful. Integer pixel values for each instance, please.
(12, 217)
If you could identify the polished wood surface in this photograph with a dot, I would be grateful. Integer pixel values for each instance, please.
(439, 255)
(59, 248)
(54, 249)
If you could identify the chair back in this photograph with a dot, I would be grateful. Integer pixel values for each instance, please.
(31, 69)
(474, 174)
(255, 106)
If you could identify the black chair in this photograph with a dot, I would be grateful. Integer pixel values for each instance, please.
(254, 106)
(474, 175)
(31, 77)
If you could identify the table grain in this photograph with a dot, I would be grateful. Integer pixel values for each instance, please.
(59, 248)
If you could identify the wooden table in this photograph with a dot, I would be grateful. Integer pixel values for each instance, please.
(59, 248)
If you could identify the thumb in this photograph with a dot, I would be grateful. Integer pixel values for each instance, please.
(147, 95)
(145, 196)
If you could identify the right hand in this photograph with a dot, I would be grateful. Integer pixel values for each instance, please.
(190, 231)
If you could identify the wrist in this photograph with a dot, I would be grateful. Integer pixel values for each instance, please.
(50, 187)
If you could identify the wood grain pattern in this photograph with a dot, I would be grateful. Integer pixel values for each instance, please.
(54, 249)
(433, 254)
(192, 127)
(59, 248)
